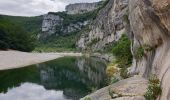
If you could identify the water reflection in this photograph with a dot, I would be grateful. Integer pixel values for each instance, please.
(73, 77)
(30, 91)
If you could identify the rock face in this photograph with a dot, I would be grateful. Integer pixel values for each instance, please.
(130, 89)
(49, 24)
(53, 24)
(149, 27)
(106, 28)
(80, 8)
(150, 24)
(62, 23)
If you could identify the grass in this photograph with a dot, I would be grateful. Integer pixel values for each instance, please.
(154, 88)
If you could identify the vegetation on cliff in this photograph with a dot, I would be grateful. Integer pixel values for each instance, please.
(154, 88)
(122, 51)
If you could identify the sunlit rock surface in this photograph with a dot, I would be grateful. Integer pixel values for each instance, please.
(106, 28)
(130, 89)
(80, 8)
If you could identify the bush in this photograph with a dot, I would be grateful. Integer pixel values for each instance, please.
(3, 45)
(139, 53)
(154, 88)
(122, 51)
(87, 98)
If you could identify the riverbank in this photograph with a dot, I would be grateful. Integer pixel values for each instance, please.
(17, 59)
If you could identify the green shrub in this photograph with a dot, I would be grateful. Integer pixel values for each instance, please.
(87, 98)
(113, 80)
(147, 47)
(94, 41)
(154, 88)
(126, 18)
(124, 73)
(122, 51)
(139, 53)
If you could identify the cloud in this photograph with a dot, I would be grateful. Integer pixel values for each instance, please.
(35, 7)
(30, 91)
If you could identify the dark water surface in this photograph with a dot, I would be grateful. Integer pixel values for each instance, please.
(68, 78)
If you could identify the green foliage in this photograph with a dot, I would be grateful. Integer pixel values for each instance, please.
(154, 88)
(29, 24)
(147, 47)
(124, 73)
(94, 41)
(126, 18)
(139, 53)
(61, 43)
(14, 37)
(113, 80)
(58, 44)
(122, 51)
(3, 45)
(87, 98)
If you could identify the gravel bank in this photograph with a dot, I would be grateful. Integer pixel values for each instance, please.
(17, 59)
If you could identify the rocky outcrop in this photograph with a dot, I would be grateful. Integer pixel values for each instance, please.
(150, 24)
(49, 24)
(149, 28)
(130, 89)
(106, 28)
(80, 8)
(73, 19)
(147, 24)
(54, 24)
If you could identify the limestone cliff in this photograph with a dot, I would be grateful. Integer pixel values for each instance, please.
(106, 28)
(49, 24)
(61, 23)
(146, 23)
(150, 24)
(148, 27)
(80, 8)
(75, 18)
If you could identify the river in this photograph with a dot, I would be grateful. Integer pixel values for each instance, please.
(67, 78)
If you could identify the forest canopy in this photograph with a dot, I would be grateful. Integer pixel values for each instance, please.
(14, 37)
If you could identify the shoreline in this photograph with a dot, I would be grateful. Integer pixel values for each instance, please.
(18, 59)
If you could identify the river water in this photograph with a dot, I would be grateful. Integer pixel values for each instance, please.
(67, 78)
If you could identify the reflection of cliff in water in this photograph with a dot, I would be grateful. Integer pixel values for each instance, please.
(75, 76)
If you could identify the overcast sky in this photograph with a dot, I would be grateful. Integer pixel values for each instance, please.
(35, 7)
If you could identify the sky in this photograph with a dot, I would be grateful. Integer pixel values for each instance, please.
(35, 7)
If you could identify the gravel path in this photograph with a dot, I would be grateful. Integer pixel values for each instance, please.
(17, 59)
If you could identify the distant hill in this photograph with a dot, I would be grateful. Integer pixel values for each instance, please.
(29, 24)
(13, 36)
